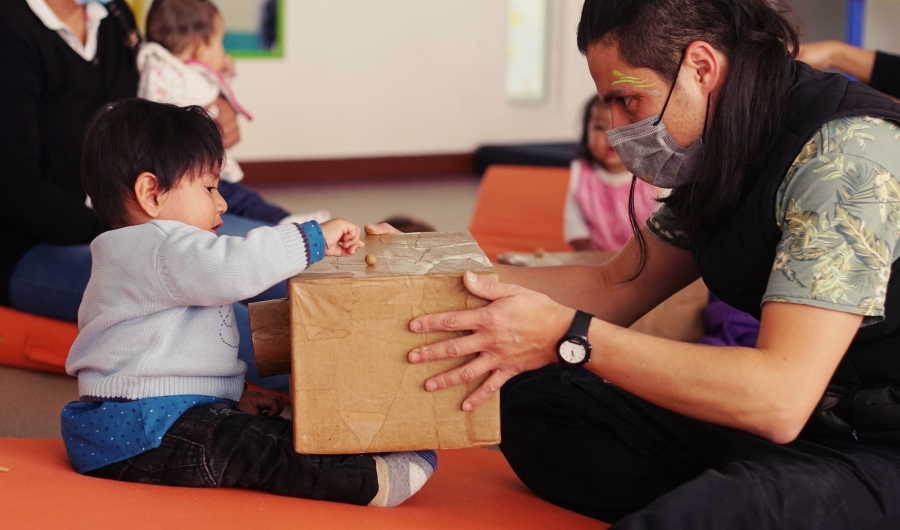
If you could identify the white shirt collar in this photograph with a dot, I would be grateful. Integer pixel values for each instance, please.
(95, 12)
(612, 179)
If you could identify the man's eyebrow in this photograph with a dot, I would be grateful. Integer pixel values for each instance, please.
(612, 94)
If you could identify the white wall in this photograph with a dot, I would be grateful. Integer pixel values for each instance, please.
(400, 77)
(822, 19)
(881, 25)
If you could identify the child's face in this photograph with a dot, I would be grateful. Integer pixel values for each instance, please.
(213, 52)
(599, 143)
(195, 202)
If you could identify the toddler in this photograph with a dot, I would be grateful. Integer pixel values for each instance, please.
(184, 63)
(596, 214)
(163, 398)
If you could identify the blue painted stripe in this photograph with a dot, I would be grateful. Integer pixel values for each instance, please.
(856, 21)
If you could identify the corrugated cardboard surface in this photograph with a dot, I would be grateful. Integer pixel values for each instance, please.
(353, 390)
(270, 328)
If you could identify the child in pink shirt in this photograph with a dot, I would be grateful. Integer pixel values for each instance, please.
(596, 214)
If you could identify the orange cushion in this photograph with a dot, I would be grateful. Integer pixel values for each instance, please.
(520, 209)
(33, 342)
(473, 488)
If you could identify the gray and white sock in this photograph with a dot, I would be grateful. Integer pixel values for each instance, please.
(401, 475)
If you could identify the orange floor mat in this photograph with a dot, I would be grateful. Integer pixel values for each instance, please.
(33, 342)
(472, 489)
(519, 209)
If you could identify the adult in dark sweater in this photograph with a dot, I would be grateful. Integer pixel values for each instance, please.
(879, 70)
(48, 93)
(61, 62)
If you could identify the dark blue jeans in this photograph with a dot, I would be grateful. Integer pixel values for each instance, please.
(218, 446)
(50, 281)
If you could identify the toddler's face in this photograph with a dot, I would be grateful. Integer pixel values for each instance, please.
(599, 143)
(195, 202)
(213, 52)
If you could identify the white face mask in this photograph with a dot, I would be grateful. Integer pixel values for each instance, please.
(649, 152)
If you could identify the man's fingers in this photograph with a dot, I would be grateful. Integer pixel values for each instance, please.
(463, 374)
(488, 288)
(465, 345)
(455, 321)
(487, 389)
(381, 229)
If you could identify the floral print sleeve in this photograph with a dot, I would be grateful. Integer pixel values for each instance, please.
(662, 225)
(839, 212)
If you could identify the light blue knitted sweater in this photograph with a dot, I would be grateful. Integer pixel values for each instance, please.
(156, 317)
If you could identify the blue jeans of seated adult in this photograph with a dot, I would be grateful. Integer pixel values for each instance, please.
(50, 280)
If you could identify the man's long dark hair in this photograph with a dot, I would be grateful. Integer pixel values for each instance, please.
(758, 38)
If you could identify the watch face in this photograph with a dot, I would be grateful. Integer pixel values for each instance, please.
(572, 352)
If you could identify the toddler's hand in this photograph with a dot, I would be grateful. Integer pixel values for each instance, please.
(341, 237)
(256, 403)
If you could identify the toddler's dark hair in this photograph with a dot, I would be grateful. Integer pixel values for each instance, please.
(583, 149)
(177, 24)
(129, 137)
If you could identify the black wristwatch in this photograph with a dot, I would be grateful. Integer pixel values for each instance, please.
(573, 350)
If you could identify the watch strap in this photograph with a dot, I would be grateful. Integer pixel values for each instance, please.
(580, 324)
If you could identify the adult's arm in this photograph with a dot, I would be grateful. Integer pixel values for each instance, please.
(841, 56)
(511, 333)
(606, 291)
(877, 69)
(769, 390)
(29, 200)
(227, 118)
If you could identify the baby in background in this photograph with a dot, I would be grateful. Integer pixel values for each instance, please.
(185, 63)
(163, 398)
(596, 213)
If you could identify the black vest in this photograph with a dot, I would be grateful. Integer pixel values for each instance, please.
(736, 257)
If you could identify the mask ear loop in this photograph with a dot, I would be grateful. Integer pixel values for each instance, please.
(706, 119)
(666, 105)
(675, 80)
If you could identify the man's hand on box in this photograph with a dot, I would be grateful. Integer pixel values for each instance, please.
(341, 237)
(257, 403)
(515, 333)
(381, 229)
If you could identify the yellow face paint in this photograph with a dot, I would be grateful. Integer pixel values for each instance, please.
(636, 81)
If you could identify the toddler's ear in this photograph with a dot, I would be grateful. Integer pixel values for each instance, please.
(147, 194)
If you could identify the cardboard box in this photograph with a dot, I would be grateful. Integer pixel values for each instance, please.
(345, 337)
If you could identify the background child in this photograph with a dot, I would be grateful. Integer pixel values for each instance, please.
(184, 63)
(596, 214)
(161, 385)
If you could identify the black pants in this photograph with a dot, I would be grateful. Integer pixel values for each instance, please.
(595, 449)
(218, 446)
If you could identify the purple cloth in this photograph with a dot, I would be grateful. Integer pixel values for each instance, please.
(726, 326)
